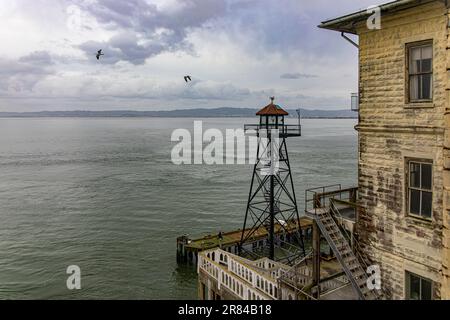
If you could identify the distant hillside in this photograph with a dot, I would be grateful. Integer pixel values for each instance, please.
(186, 113)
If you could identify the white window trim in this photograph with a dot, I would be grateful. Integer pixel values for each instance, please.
(419, 102)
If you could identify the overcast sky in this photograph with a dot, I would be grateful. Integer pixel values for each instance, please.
(238, 52)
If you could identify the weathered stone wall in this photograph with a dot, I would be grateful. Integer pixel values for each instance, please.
(390, 131)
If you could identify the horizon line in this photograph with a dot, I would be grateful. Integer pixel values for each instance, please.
(171, 110)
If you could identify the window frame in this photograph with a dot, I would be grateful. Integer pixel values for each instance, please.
(263, 120)
(408, 276)
(409, 47)
(408, 163)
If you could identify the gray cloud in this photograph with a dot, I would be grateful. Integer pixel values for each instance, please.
(123, 47)
(214, 91)
(196, 90)
(147, 31)
(141, 16)
(22, 75)
(38, 58)
(294, 76)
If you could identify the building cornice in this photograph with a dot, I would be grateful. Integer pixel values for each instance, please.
(400, 129)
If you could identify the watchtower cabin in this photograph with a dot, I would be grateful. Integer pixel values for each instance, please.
(272, 117)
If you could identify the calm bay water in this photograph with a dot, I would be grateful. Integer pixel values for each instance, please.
(103, 194)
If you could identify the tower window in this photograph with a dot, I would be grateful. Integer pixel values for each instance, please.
(272, 119)
(420, 183)
(420, 72)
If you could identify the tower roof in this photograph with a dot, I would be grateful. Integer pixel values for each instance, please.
(272, 110)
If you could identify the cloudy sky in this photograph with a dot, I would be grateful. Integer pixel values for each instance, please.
(238, 52)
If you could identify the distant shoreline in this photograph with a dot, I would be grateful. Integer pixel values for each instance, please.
(184, 113)
(144, 117)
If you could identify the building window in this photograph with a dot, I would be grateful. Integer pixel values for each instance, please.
(418, 288)
(420, 72)
(420, 184)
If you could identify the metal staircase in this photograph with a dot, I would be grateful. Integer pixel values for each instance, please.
(344, 253)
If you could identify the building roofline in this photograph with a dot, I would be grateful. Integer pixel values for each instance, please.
(346, 23)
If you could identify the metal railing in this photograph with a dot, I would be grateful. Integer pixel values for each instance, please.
(320, 197)
(299, 278)
(354, 242)
(317, 197)
(333, 284)
(283, 129)
(356, 247)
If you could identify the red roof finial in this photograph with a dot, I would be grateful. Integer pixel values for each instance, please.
(271, 99)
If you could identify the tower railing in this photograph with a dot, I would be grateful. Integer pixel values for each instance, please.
(291, 130)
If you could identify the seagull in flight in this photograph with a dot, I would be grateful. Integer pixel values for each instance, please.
(187, 78)
(99, 54)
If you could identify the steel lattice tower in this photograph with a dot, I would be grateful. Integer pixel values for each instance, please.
(272, 205)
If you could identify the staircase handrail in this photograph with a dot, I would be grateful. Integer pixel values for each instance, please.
(357, 249)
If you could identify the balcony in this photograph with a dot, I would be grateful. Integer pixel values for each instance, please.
(285, 130)
(344, 199)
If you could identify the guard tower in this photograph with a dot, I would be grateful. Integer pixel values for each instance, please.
(272, 205)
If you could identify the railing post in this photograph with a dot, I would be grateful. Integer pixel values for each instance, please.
(219, 281)
(316, 256)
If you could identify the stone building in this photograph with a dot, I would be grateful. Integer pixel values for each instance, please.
(404, 144)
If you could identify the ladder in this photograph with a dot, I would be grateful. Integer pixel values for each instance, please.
(276, 209)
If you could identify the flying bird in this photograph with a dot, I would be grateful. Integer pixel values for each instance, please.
(187, 78)
(99, 54)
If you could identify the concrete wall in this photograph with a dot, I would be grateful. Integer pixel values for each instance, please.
(390, 131)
